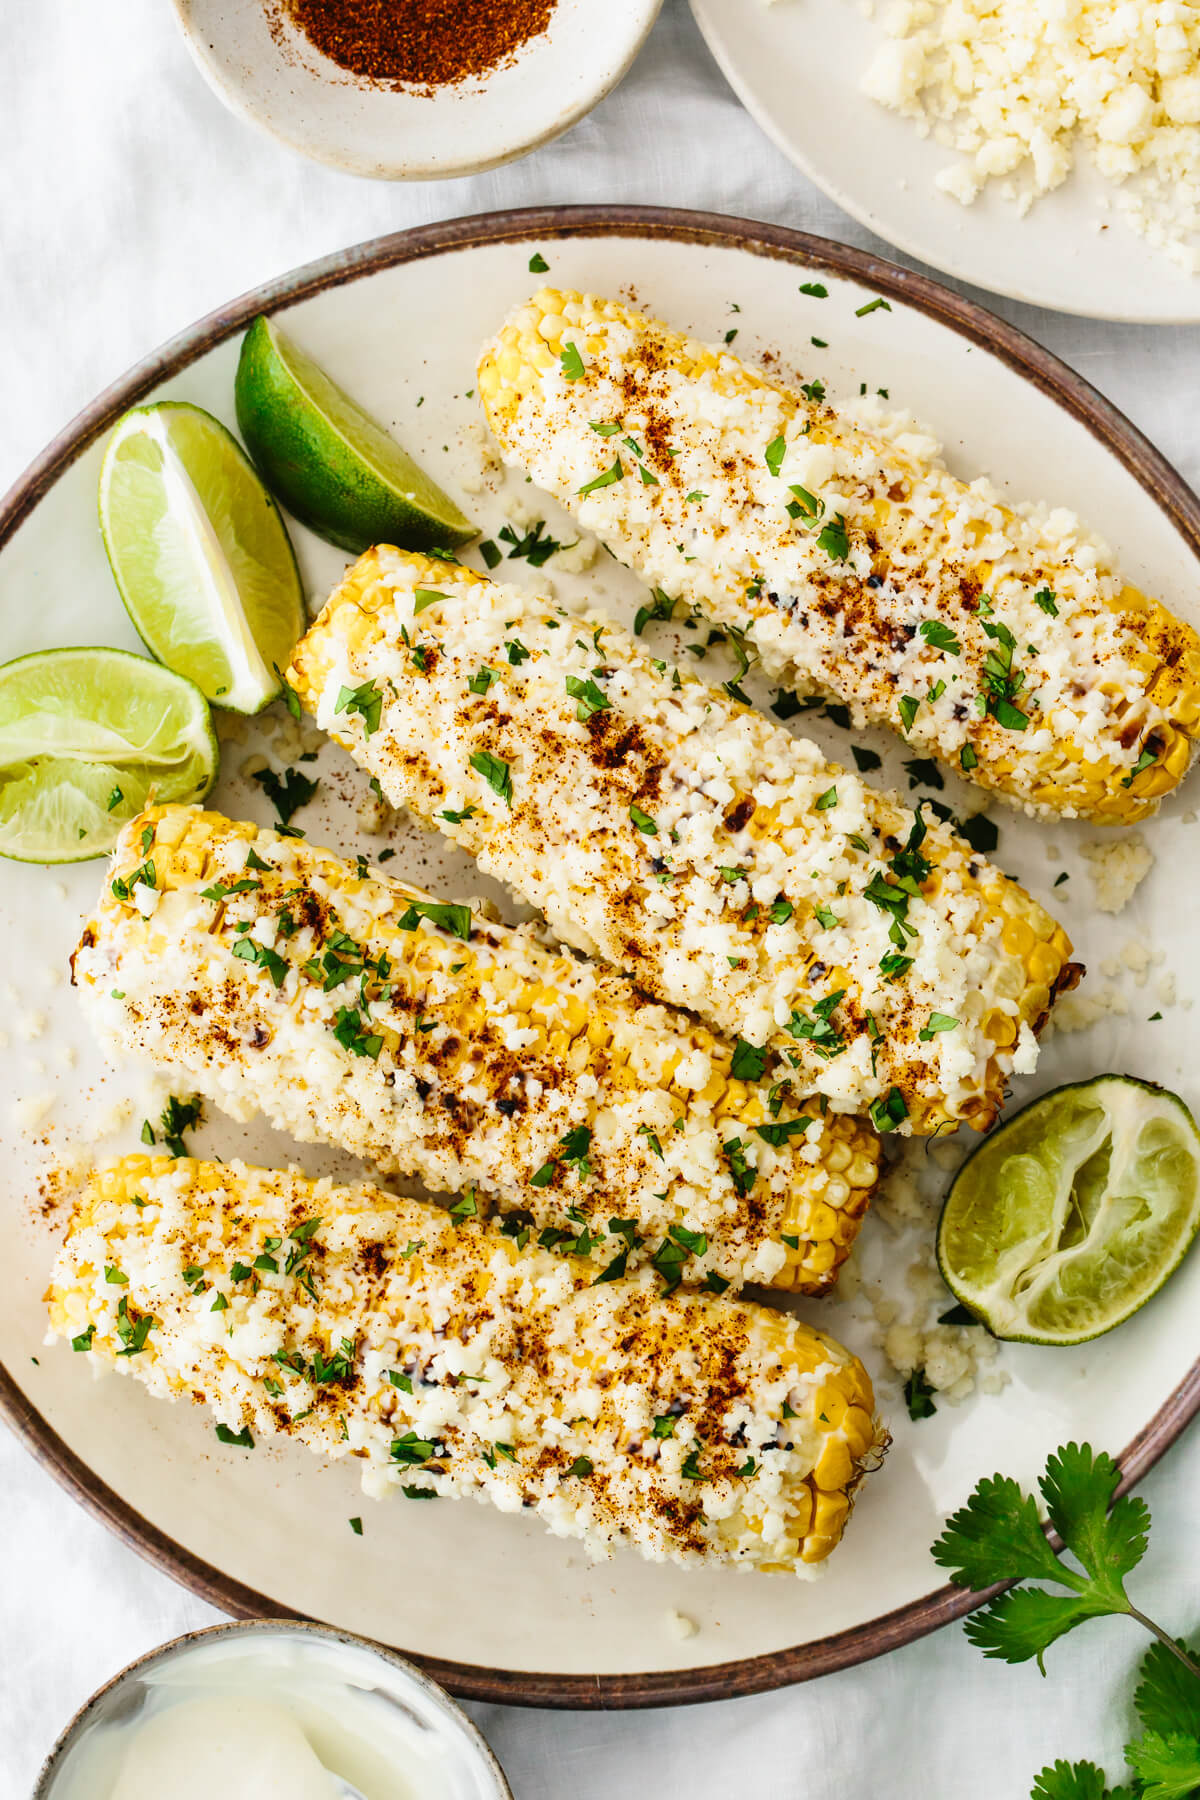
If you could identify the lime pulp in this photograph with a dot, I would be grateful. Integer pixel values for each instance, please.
(87, 738)
(200, 553)
(1072, 1214)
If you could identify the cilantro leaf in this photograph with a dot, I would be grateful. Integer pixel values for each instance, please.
(1078, 1486)
(996, 1536)
(1024, 1622)
(1168, 1695)
(1073, 1781)
(1167, 1765)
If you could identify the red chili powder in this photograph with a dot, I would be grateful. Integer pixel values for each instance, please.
(419, 43)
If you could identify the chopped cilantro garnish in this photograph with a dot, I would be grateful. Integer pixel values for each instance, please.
(778, 1134)
(572, 362)
(827, 799)
(242, 1439)
(937, 1021)
(1146, 760)
(816, 290)
(1001, 682)
(878, 304)
(607, 479)
(179, 1116)
(980, 833)
(748, 1062)
(249, 950)
(818, 1030)
(495, 772)
(890, 1112)
(909, 706)
(918, 1396)
(538, 264)
(353, 1033)
(742, 1173)
(411, 1451)
(536, 547)
(643, 821)
(456, 919)
(923, 771)
(940, 637)
(365, 700)
(1045, 599)
(591, 699)
(774, 454)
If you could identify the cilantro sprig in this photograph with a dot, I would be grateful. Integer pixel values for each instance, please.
(997, 1537)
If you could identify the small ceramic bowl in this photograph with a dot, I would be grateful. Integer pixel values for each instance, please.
(266, 71)
(372, 1697)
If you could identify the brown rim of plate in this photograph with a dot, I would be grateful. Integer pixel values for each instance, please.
(801, 1662)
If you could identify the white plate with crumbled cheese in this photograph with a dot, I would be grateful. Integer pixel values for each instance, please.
(1052, 157)
(497, 1607)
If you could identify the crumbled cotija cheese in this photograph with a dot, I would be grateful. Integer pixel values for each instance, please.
(1016, 86)
(1118, 866)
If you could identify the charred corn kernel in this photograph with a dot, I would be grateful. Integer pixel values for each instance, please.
(444, 1358)
(355, 1011)
(664, 826)
(1001, 640)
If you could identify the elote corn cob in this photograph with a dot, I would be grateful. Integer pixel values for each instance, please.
(692, 1428)
(1003, 641)
(352, 1010)
(663, 825)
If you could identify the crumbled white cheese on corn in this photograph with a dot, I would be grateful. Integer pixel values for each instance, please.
(271, 978)
(694, 1429)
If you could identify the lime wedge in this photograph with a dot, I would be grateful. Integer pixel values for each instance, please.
(200, 553)
(87, 738)
(1070, 1216)
(328, 461)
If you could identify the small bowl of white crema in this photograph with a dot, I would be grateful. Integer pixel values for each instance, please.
(264, 1709)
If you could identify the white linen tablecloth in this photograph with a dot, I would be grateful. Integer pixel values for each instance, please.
(131, 202)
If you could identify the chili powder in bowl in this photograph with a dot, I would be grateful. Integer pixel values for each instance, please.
(413, 89)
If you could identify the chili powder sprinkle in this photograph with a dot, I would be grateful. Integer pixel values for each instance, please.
(419, 43)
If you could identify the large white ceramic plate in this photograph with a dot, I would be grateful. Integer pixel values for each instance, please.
(797, 66)
(490, 1603)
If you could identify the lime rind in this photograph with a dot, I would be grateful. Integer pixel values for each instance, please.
(200, 553)
(1069, 1217)
(331, 464)
(88, 737)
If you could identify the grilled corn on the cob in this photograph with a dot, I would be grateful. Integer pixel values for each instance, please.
(352, 1010)
(663, 825)
(692, 1428)
(1004, 642)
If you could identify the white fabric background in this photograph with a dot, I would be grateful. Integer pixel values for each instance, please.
(130, 203)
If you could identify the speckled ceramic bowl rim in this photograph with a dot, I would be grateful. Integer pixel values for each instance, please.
(1036, 365)
(232, 97)
(326, 1634)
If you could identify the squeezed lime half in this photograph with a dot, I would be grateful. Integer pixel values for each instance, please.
(330, 463)
(87, 738)
(200, 553)
(1070, 1216)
